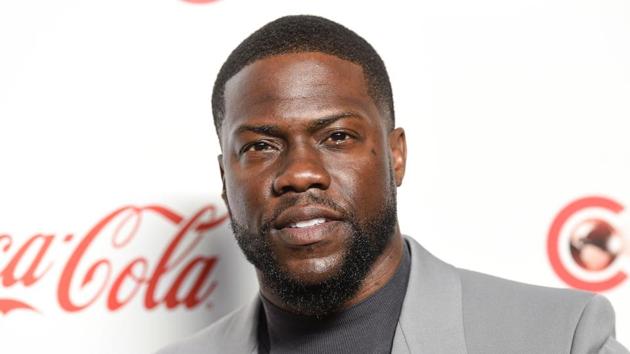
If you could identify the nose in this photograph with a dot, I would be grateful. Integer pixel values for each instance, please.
(302, 170)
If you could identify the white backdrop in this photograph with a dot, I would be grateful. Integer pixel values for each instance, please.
(514, 110)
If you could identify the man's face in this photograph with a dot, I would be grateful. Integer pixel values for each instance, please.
(309, 170)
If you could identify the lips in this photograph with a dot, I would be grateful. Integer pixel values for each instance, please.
(304, 216)
(306, 225)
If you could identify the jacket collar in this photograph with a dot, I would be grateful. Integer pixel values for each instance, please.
(431, 320)
(239, 332)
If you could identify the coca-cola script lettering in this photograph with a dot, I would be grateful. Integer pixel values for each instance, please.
(185, 278)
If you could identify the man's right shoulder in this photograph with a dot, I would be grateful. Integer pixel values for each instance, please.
(200, 341)
(233, 333)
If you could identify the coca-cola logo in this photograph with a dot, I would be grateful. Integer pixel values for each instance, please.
(588, 245)
(176, 276)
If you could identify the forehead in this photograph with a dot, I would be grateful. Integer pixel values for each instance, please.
(296, 86)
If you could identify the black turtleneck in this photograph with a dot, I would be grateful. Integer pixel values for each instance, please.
(367, 327)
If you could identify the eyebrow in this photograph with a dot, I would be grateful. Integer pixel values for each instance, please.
(274, 130)
(326, 121)
(265, 129)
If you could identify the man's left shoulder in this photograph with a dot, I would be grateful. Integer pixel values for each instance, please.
(509, 311)
(487, 290)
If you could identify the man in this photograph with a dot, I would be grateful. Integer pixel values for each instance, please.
(311, 160)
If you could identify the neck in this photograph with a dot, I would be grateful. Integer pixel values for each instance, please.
(381, 272)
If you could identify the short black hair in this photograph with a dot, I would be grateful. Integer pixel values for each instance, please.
(305, 33)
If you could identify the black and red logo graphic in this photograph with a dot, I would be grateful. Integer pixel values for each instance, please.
(587, 244)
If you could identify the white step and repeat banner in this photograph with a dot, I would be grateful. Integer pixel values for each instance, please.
(113, 236)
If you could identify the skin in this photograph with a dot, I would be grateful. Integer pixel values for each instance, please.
(303, 123)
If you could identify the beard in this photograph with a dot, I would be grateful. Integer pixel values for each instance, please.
(368, 240)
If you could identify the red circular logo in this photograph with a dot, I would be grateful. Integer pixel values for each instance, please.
(583, 244)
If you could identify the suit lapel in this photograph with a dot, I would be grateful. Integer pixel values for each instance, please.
(431, 317)
(239, 335)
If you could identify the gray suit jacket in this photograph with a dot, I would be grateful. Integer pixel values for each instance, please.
(453, 311)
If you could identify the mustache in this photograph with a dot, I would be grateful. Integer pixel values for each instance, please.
(303, 200)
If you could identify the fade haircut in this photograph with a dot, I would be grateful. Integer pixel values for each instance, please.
(298, 34)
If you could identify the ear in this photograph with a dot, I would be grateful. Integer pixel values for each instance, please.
(398, 149)
(223, 195)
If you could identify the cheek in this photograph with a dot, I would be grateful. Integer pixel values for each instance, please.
(245, 195)
(364, 180)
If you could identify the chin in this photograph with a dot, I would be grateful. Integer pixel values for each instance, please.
(314, 271)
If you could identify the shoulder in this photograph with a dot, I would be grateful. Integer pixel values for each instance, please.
(202, 341)
(235, 332)
(500, 312)
(486, 290)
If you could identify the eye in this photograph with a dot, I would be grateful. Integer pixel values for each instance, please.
(339, 137)
(258, 146)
